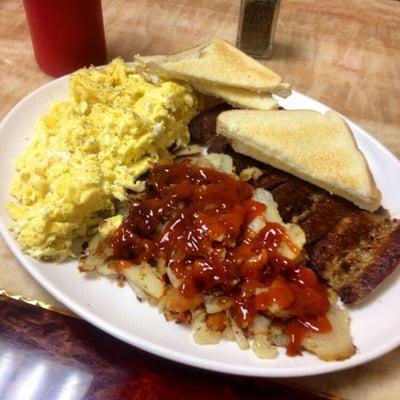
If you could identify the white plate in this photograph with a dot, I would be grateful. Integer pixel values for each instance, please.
(375, 326)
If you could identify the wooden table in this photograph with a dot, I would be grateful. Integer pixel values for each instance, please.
(345, 54)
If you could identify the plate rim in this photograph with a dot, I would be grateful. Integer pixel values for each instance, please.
(162, 350)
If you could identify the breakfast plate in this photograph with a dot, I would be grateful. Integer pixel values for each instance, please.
(374, 324)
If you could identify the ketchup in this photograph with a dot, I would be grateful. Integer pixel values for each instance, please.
(66, 34)
(197, 220)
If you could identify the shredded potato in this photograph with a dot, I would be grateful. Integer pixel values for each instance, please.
(263, 348)
(146, 278)
(210, 314)
(204, 335)
(239, 335)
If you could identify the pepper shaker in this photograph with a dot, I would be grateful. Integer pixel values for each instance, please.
(257, 25)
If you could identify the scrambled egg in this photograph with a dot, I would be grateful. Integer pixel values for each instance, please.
(89, 149)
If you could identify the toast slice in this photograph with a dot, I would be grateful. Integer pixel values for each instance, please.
(354, 251)
(217, 63)
(317, 148)
(237, 97)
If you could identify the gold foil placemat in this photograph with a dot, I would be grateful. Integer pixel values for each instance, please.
(37, 303)
(16, 283)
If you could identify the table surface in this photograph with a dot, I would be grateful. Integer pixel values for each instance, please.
(345, 56)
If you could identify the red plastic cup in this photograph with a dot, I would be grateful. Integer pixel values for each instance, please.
(66, 34)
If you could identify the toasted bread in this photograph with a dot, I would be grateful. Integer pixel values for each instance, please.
(217, 63)
(317, 148)
(351, 249)
(238, 97)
